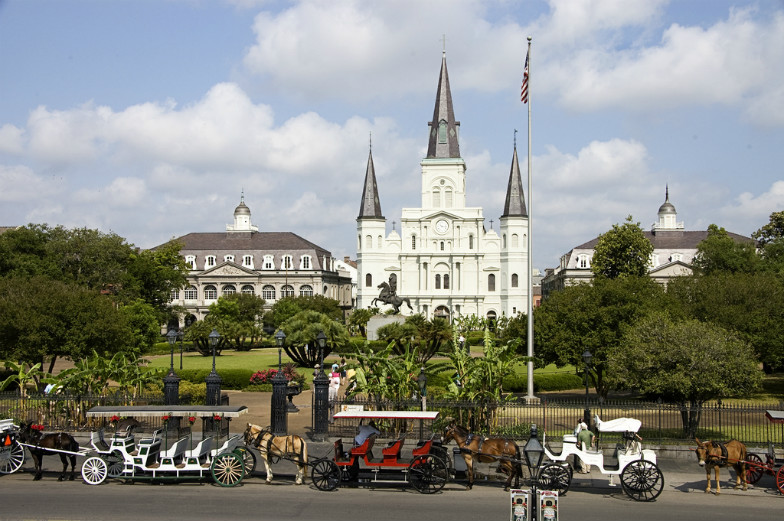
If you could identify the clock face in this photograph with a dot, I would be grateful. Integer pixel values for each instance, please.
(442, 226)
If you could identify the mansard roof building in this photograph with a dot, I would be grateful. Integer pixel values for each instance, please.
(674, 249)
(443, 258)
(242, 259)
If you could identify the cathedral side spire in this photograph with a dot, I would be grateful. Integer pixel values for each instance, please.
(443, 139)
(370, 206)
(515, 204)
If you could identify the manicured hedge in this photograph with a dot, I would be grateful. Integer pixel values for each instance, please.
(518, 383)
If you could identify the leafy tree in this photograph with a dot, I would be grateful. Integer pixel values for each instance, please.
(687, 362)
(427, 336)
(42, 320)
(199, 334)
(592, 317)
(772, 231)
(751, 305)
(301, 331)
(236, 317)
(623, 251)
(719, 252)
(770, 240)
(384, 378)
(359, 318)
(152, 274)
(142, 319)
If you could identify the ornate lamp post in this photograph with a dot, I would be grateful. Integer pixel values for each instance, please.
(278, 416)
(534, 453)
(320, 393)
(213, 379)
(587, 357)
(171, 382)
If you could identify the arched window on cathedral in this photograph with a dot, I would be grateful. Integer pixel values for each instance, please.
(380, 242)
(413, 241)
(442, 245)
(514, 280)
(368, 280)
(448, 198)
(436, 198)
(368, 241)
(446, 281)
(470, 241)
(438, 281)
(491, 282)
(515, 240)
(504, 238)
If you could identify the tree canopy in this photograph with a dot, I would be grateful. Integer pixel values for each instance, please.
(719, 252)
(687, 362)
(623, 251)
(592, 317)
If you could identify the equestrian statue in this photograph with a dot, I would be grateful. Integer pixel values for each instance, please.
(388, 295)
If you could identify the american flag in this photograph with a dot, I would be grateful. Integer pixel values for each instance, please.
(524, 88)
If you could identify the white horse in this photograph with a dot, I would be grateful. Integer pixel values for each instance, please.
(289, 447)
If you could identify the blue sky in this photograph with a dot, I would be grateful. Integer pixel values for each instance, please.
(148, 118)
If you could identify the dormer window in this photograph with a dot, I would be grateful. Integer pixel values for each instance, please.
(228, 258)
(442, 131)
(305, 263)
(247, 261)
(190, 260)
(209, 261)
(676, 257)
(582, 261)
(269, 262)
(287, 264)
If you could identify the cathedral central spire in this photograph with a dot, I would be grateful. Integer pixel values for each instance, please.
(443, 139)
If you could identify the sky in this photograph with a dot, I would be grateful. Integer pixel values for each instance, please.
(150, 118)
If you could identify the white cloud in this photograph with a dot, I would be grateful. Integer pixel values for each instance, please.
(20, 184)
(757, 209)
(11, 139)
(728, 63)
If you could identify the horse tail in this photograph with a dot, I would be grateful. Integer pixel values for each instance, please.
(303, 454)
(518, 465)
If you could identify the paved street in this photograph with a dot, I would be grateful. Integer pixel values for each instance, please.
(589, 499)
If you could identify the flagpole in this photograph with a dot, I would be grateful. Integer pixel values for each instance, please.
(530, 352)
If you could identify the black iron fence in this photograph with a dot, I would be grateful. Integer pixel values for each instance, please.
(661, 422)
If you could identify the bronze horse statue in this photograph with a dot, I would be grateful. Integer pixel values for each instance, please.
(271, 446)
(485, 450)
(388, 296)
(42, 442)
(714, 455)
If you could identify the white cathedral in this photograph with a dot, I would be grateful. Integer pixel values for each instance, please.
(444, 260)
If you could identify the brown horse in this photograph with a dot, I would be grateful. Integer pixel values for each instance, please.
(280, 447)
(485, 450)
(714, 455)
(42, 442)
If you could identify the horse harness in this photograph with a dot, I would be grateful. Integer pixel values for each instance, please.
(720, 461)
(268, 447)
(470, 438)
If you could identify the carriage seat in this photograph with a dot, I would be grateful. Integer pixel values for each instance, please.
(229, 445)
(423, 447)
(365, 449)
(199, 454)
(591, 449)
(174, 454)
(392, 450)
(98, 442)
(340, 453)
(570, 438)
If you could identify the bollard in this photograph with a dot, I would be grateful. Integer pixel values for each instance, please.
(279, 409)
(320, 406)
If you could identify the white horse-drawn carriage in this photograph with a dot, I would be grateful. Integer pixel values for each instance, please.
(148, 458)
(640, 477)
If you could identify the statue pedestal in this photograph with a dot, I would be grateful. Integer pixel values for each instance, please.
(379, 321)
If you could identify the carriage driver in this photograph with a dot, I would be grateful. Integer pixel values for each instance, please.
(365, 432)
(587, 438)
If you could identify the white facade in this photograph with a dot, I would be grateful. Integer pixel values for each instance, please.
(443, 258)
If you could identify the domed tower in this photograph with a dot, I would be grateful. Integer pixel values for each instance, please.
(242, 218)
(668, 217)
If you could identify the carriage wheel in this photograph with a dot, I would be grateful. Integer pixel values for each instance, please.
(248, 459)
(642, 480)
(780, 480)
(754, 468)
(428, 474)
(115, 464)
(555, 477)
(11, 457)
(94, 470)
(227, 469)
(325, 475)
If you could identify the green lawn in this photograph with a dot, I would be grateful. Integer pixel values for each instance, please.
(255, 359)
